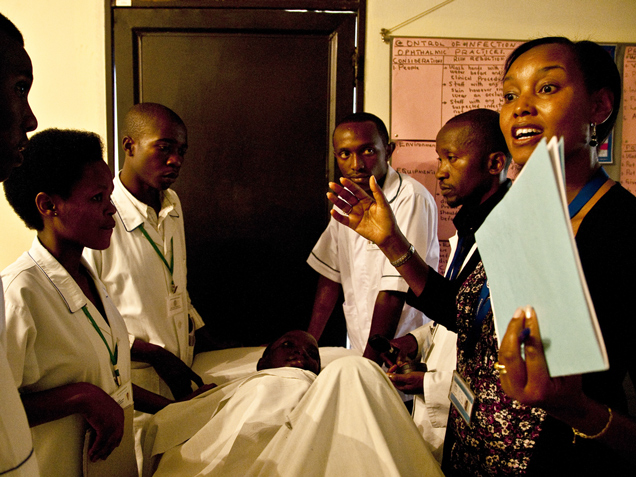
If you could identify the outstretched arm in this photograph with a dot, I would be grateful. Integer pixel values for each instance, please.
(529, 382)
(176, 374)
(386, 316)
(373, 218)
(151, 403)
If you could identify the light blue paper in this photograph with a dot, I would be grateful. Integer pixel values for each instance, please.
(530, 257)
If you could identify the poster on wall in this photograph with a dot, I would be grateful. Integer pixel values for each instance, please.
(435, 79)
(419, 160)
(628, 146)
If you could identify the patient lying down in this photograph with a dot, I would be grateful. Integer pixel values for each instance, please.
(284, 420)
(295, 349)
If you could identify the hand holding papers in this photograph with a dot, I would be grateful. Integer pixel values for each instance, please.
(530, 256)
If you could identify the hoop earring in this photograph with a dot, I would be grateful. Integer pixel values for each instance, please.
(594, 137)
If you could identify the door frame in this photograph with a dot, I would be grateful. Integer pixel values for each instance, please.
(356, 6)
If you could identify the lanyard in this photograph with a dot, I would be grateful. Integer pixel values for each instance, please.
(587, 192)
(482, 311)
(458, 259)
(113, 356)
(170, 267)
(588, 197)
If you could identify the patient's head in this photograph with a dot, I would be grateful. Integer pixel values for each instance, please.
(296, 349)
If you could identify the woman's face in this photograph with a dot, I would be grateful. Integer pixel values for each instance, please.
(545, 96)
(85, 219)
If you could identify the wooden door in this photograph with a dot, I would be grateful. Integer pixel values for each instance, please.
(259, 91)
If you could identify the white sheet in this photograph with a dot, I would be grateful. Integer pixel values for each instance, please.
(241, 426)
(349, 422)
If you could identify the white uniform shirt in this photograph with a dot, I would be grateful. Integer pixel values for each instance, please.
(137, 279)
(430, 411)
(51, 342)
(16, 446)
(361, 268)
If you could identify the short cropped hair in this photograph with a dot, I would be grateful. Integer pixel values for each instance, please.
(363, 118)
(138, 117)
(8, 28)
(54, 162)
(8, 33)
(598, 68)
(485, 130)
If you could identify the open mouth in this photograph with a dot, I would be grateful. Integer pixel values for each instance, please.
(525, 133)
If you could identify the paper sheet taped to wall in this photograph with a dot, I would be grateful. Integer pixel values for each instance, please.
(434, 79)
(628, 152)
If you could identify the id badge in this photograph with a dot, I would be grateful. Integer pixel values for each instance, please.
(175, 304)
(462, 397)
(124, 396)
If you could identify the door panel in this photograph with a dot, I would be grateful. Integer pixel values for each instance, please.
(259, 93)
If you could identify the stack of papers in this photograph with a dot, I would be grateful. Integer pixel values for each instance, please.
(530, 257)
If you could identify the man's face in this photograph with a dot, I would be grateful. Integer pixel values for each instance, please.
(361, 153)
(16, 117)
(296, 349)
(157, 154)
(463, 166)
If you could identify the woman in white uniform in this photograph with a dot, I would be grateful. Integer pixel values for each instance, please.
(66, 342)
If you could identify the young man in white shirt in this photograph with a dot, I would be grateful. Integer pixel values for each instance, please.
(144, 269)
(374, 292)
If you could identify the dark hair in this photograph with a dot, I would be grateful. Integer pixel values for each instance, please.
(54, 162)
(138, 117)
(8, 28)
(485, 130)
(363, 118)
(598, 68)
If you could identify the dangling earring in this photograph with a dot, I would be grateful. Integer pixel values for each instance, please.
(594, 137)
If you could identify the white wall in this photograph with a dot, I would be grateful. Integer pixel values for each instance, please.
(66, 41)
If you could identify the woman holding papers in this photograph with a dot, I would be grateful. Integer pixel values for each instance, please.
(553, 87)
